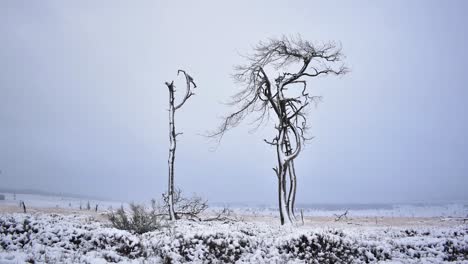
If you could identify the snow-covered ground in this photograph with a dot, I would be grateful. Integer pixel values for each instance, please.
(55, 231)
(36, 201)
(459, 209)
(394, 210)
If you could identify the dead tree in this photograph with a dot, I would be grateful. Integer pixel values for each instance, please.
(173, 135)
(225, 215)
(344, 215)
(23, 206)
(294, 62)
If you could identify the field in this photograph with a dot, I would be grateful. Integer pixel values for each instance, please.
(55, 230)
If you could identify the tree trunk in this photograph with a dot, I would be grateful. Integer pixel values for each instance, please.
(292, 180)
(281, 172)
(172, 149)
(292, 189)
(173, 135)
(284, 214)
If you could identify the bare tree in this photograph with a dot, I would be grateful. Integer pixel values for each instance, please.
(294, 62)
(173, 135)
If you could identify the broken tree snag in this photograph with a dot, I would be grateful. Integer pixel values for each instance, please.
(23, 206)
(302, 217)
(190, 86)
(342, 216)
(274, 84)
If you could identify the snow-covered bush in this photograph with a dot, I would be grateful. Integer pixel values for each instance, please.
(51, 238)
(455, 251)
(211, 248)
(331, 246)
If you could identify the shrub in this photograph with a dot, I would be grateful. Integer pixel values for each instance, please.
(138, 220)
(330, 247)
(205, 248)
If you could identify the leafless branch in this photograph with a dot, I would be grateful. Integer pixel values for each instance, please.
(190, 84)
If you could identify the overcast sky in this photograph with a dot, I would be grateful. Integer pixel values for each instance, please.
(84, 106)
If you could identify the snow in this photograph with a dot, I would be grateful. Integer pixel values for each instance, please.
(49, 201)
(46, 235)
(81, 239)
(395, 210)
